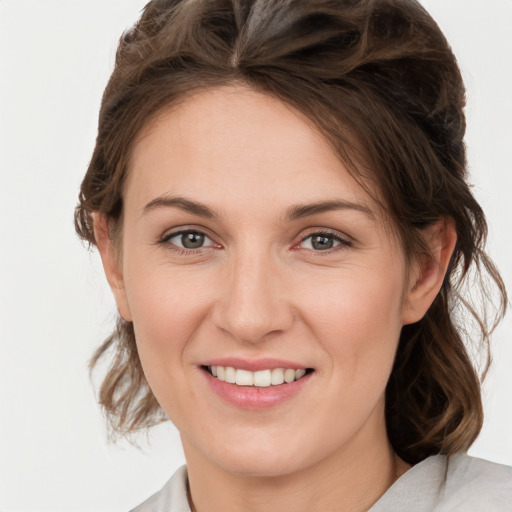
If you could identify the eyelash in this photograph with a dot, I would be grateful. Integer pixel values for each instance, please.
(341, 243)
(166, 240)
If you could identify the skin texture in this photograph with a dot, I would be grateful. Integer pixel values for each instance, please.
(259, 289)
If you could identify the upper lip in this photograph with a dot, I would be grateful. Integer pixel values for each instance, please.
(254, 365)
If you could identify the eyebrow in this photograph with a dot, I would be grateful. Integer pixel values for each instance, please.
(293, 213)
(181, 203)
(307, 210)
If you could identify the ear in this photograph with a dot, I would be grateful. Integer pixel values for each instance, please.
(111, 265)
(428, 274)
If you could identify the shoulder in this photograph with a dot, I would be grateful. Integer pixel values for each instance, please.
(476, 484)
(172, 497)
(458, 483)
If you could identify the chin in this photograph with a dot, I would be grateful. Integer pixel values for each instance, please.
(261, 466)
(264, 459)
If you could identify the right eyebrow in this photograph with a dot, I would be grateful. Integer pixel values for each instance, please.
(181, 203)
(307, 210)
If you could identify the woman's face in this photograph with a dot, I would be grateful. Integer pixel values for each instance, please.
(247, 245)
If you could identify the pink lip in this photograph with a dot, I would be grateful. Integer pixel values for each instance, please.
(255, 398)
(254, 365)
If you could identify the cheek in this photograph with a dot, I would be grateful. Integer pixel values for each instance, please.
(357, 321)
(168, 309)
(165, 300)
(357, 317)
(167, 316)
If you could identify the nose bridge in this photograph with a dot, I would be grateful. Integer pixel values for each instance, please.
(254, 302)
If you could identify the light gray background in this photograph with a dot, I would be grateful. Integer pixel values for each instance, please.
(55, 308)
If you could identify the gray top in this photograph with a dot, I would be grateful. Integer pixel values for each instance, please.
(438, 484)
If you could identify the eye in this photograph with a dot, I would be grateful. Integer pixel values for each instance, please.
(323, 242)
(189, 239)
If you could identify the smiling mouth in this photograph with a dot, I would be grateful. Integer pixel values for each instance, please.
(259, 379)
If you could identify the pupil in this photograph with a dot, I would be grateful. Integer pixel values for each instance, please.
(192, 240)
(322, 243)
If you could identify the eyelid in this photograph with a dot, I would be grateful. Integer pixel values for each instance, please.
(181, 233)
(344, 240)
(185, 228)
(165, 239)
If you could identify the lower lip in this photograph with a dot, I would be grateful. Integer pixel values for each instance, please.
(255, 398)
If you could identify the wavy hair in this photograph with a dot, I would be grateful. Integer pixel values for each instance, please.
(380, 82)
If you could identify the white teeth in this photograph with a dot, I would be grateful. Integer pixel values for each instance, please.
(261, 379)
(230, 375)
(244, 378)
(289, 375)
(277, 376)
(299, 373)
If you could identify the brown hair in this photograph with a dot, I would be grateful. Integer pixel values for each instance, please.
(378, 72)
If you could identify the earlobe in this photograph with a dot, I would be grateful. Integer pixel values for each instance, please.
(111, 265)
(428, 275)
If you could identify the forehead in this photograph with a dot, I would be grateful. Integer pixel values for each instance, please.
(236, 144)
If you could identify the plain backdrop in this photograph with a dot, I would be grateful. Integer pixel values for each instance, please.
(55, 308)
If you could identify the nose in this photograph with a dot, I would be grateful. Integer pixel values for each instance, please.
(253, 305)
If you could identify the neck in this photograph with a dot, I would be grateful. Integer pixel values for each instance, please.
(351, 480)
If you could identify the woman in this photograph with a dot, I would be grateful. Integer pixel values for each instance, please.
(278, 196)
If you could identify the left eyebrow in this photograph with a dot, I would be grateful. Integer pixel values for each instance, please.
(307, 210)
(181, 203)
